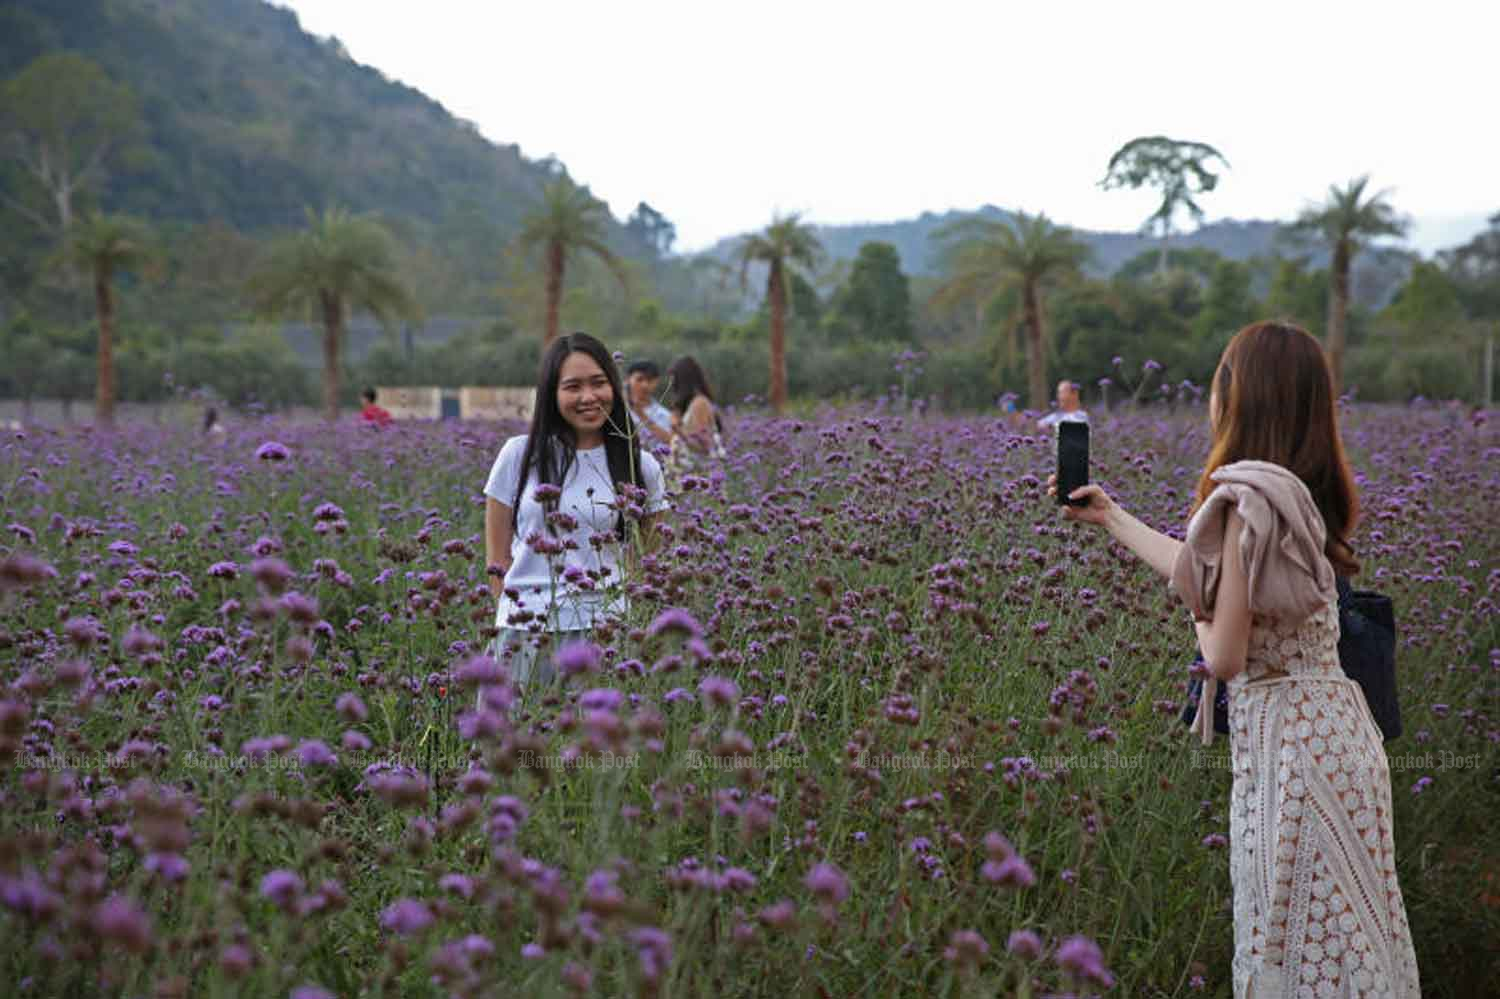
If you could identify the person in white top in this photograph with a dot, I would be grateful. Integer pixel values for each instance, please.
(1069, 409)
(654, 419)
(555, 526)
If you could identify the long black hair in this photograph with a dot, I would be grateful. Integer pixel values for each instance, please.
(552, 445)
(688, 381)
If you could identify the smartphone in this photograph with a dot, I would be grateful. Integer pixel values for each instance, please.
(1072, 461)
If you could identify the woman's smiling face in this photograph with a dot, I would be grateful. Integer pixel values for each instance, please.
(584, 395)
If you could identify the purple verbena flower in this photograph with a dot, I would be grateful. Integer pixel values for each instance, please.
(271, 573)
(120, 920)
(406, 917)
(1081, 957)
(282, 887)
(718, 691)
(827, 883)
(1024, 944)
(351, 708)
(579, 657)
(478, 671)
(675, 619)
(966, 948)
(315, 753)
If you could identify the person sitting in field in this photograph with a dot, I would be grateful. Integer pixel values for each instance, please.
(1069, 409)
(372, 413)
(641, 380)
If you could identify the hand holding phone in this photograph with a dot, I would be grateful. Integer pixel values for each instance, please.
(1072, 461)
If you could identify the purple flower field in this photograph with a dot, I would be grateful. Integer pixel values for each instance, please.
(879, 722)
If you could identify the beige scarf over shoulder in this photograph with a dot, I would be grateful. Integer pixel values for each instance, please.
(1281, 547)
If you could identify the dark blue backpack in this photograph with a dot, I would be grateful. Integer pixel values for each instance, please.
(1367, 653)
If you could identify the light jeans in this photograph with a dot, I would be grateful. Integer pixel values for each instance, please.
(531, 668)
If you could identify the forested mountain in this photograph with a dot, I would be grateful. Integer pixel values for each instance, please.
(248, 118)
(246, 121)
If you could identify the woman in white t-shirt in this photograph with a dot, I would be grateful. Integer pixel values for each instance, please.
(554, 529)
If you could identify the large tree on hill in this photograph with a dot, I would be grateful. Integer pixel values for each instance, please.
(104, 246)
(340, 263)
(569, 221)
(1345, 222)
(983, 258)
(62, 121)
(785, 246)
(1177, 168)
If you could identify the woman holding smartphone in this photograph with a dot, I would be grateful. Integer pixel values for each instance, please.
(555, 524)
(1317, 907)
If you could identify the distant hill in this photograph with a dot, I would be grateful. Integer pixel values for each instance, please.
(1377, 274)
(249, 119)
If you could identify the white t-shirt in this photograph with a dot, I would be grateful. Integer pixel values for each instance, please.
(1057, 416)
(587, 493)
(659, 415)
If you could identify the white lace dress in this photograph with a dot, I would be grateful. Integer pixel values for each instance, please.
(1317, 909)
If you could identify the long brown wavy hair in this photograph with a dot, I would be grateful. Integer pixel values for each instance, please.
(1273, 401)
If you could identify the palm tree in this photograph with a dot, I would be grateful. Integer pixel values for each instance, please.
(570, 220)
(105, 245)
(1345, 221)
(339, 263)
(986, 257)
(786, 244)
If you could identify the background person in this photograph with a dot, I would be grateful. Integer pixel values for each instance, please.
(1069, 408)
(641, 381)
(577, 449)
(1317, 907)
(695, 417)
(1007, 403)
(372, 413)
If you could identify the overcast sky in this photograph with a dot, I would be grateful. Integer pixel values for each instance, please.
(720, 115)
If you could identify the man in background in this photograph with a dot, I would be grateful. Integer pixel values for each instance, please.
(372, 413)
(1069, 409)
(641, 380)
